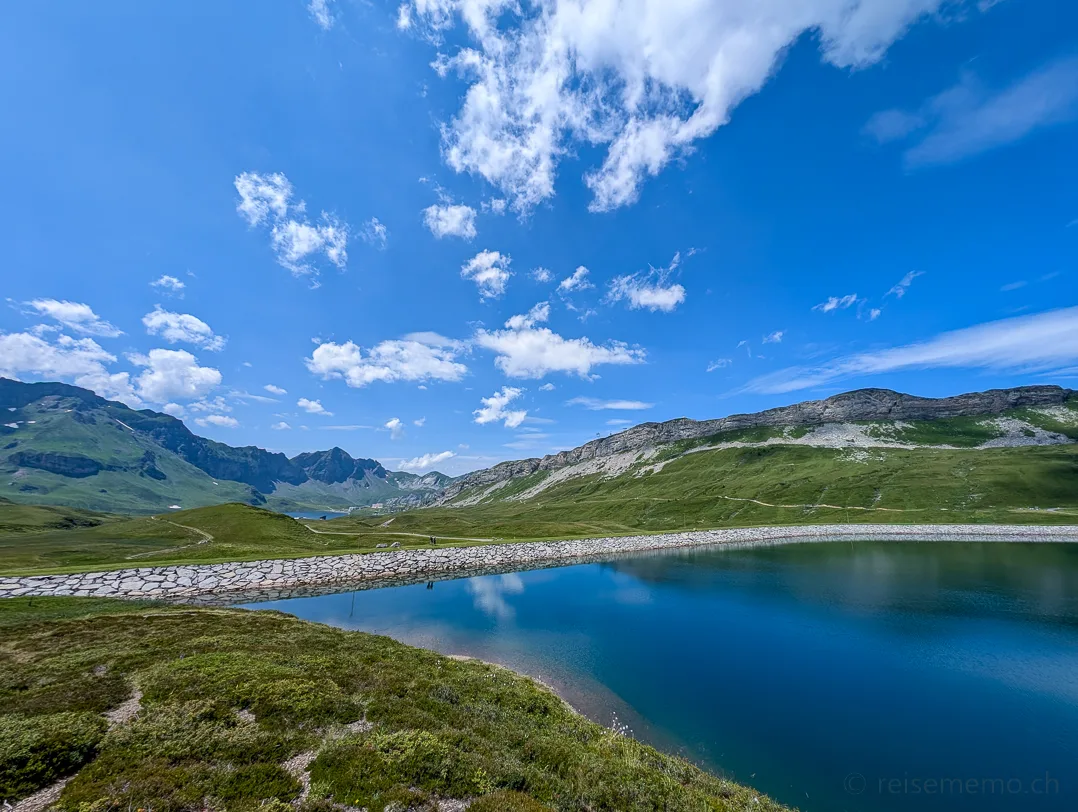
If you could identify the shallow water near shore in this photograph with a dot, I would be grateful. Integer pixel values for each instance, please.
(832, 676)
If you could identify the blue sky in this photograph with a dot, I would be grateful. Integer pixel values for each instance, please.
(301, 225)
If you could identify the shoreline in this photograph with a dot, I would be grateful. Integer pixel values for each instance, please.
(274, 579)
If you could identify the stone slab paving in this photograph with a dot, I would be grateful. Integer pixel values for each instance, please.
(217, 583)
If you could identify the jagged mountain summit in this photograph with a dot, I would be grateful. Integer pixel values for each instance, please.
(62, 444)
(857, 419)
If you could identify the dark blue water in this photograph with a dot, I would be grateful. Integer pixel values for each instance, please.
(890, 676)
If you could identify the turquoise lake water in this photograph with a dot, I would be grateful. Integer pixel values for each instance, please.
(836, 676)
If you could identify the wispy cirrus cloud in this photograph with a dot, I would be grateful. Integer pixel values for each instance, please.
(1039, 343)
(598, 404)
(970, 118)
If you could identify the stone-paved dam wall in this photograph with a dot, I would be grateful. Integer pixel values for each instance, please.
(212, 583)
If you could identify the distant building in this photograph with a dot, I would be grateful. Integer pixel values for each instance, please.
(377, 506)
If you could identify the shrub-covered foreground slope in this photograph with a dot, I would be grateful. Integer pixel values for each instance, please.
(234, 705)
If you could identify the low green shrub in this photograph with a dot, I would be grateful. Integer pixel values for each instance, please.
(36, 751)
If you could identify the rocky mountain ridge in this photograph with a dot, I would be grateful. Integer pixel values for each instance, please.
(861, 405)
(55, 434)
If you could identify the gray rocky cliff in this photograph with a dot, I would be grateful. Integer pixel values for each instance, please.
(861, 405)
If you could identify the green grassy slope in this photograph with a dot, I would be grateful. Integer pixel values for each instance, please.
(713, 489)
(229, 696)
(237, 532)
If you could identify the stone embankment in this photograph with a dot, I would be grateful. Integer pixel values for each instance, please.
(211, 583)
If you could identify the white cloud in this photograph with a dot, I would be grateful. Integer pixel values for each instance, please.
(542, 274)
(75, 316)
(968, 119)
(577, 280)
(275, 390)
(313, 407)
(874, 314)
(173, 409)
(496, 205)
(425, 463)
(404, 17)
(650, 290)
(490, 272)
(719, 363)
(647, 78)
(220, 420)
(420, 421)
(493, 408)
(527, 351)
(837, 303)
(374, 232)
(450, 220)
(281, 426)
(775, 337)
(395, 428)
(218, 404)
(1046, 341)
(174, 327)
(320, 13)
(547, 387)
(267, 200)
(171, 375)
(903, 284)
(262, 197)
(538, 314)
(1012, 286)
(169, 284)
(595, 404)
(619, 422)
(416, 357)
(80, 360)
(297, 242)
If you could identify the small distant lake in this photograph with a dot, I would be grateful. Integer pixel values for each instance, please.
(846, 676)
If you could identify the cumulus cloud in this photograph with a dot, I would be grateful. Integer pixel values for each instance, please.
(649, 290)
(218, 404)
(395, 428)
(490, 272)
(320, 13)
(596, 404)
(171, 375)
(1039, 343)
(450, 220)
(547, 387)
(496, 205)
(266, 200)
(419, 421)
(82, 361)
(173, 409)
(75, 316)
(577, 280)
(313, 407)
(645, 79)
(426, 462)
(416, 357)
(837, 303)
(374, 232)
(542, 274)
(903, 284)
(526, 350)
(169, 284)
(775, 337)
(176, 327)
(223, 421)
(968, 118)
(494, 408)
(281, 426)
(275, 390)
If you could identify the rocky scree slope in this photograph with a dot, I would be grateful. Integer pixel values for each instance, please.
(859, 406)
